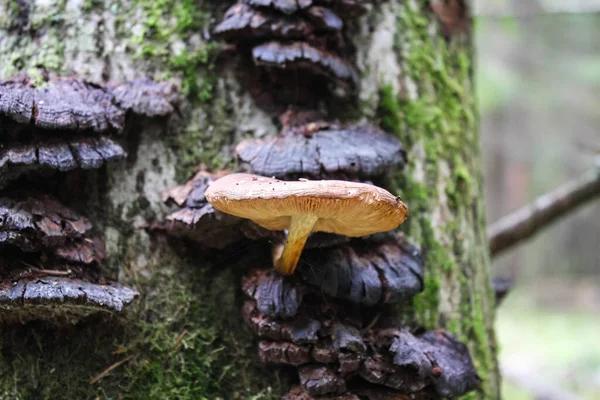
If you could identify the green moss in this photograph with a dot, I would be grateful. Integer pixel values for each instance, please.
(441, 122)
(36, 78)
(388, 111)
(89, 5)
(169, 38)
(10, 14)
(197, 305)
(211, 359)
(33, 50)
(167, 25)
(196, 86)
(49, 15)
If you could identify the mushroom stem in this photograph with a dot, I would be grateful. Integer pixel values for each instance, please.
(300, 227)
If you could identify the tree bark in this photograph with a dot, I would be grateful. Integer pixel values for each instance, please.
(185, 338)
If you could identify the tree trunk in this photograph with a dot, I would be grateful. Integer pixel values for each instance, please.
(185, 337)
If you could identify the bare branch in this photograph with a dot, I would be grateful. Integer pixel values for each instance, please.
(490, 9)
(546, 209)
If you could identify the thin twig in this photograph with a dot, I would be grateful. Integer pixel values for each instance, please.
(107, 370)
(179, 339)
(527, 221)
(52, 272)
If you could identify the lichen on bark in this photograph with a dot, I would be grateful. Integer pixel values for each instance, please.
(185, 338)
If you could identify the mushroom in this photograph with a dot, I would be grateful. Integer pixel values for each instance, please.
(39, 158)
(301, 207)
(76, 105)
(348, 8)
(329, 153)
(60, 300)
(244, 23)
(50, 268)
(366, 272)
(39, 223)
(66, 124)
(352, 347)
(304, 56)
(196, 219)
(293, 41)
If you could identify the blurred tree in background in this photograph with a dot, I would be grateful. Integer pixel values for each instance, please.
(538, 82)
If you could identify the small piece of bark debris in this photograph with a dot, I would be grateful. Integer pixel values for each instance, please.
(358, 151)
(84, 251)
(453, 373)
(275, 295)
(320, 380)
(347, 338)
(284, 353)
(435, 359)
(303, 122)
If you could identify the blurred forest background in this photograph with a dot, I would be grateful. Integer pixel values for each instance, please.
(538, 82)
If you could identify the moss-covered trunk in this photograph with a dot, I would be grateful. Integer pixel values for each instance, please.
(185, 337)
